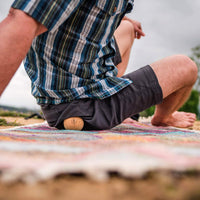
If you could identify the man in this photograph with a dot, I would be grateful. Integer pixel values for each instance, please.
(71, 49)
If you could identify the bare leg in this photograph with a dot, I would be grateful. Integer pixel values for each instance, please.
(126, 33)
(124, 36)
(176, 75)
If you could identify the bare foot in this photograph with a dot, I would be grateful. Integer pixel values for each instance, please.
(177, 119)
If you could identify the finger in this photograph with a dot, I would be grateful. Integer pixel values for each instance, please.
(139, 34)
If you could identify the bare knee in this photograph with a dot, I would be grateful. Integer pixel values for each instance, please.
(130, 29)
(187, 67)
(175, 72)
(127, 29)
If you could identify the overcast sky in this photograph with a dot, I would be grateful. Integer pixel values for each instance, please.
(171, 27)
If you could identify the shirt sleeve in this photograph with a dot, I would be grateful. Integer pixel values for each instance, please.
(50, 13)
(130, 6)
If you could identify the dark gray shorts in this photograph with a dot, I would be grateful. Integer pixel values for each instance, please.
(144, 92)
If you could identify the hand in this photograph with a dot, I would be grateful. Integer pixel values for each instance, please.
(137, 27)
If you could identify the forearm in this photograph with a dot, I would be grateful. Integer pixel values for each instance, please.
(16, 34)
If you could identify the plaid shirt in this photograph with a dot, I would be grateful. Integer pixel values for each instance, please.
(73, 59)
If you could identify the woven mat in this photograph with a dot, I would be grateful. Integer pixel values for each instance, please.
(34, 153)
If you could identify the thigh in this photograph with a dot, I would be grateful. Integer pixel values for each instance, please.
(144, 92)
(124, 38)
(174, 73)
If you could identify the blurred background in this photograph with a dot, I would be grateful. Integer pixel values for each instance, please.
(171, 27)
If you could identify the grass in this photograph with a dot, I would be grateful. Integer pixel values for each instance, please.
(3, 122)
(4, 113)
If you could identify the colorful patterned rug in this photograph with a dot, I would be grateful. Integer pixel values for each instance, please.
(34, 153)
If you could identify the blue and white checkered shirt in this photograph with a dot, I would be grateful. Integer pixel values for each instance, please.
(73, 59)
